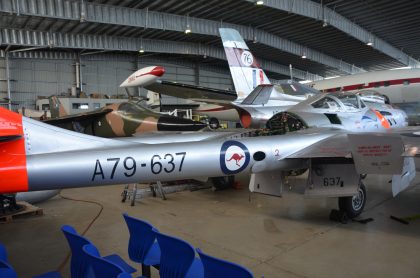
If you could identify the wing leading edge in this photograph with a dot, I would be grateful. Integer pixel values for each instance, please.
(192, 92)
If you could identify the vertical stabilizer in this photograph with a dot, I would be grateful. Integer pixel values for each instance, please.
(244, 67)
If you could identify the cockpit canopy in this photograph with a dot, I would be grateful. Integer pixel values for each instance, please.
(339, 102)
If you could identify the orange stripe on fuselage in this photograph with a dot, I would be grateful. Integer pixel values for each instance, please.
(382, 119)
(13, 172)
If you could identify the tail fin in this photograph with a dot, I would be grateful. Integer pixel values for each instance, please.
(244, 68)
(57, 109)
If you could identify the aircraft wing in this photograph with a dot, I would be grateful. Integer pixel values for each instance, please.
(403, 142)
(78, 117)
(336, 145)
(389, 153)
(192, 92)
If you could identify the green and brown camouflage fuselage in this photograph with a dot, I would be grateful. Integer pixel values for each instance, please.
(119, 120)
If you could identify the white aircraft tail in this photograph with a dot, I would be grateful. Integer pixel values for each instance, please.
(244, 68)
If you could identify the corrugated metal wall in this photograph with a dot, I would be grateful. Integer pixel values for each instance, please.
(31, 78)
(104, 74)
(3, 83)
(100, 74)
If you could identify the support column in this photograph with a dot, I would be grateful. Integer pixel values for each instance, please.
(9, 95)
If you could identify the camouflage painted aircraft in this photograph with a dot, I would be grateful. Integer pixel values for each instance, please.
(118, 120)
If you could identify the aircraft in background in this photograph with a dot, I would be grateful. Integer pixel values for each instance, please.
(255, 99)
(401, 87)
(118, 120)
(37, 156)
(343, 110)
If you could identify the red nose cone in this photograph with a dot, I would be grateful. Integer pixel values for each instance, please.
(158, 71)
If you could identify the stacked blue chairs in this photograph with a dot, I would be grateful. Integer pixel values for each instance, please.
(100, 266)
(177, 258)
(142, 246)
(214, 267)
(79, 266)
(7, 271)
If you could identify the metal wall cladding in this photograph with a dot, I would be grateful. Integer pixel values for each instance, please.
(105, 76)
(39, 77)
(215, 80)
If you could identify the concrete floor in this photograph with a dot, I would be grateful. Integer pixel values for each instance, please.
(274, 237)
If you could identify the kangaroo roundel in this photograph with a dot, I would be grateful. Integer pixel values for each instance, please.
(234, 157)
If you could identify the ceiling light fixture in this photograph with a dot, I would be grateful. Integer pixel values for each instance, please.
(259, 3)
(188, 29)
(304, 56)
(369, 43)
(141, 46)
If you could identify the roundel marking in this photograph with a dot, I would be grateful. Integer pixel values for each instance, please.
(247, 58)
(234, 157)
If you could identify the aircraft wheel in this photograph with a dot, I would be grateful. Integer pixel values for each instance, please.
(221, 183)
(214, 123)
(353, 205)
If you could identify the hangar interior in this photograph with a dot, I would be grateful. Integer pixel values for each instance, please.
(58, 47)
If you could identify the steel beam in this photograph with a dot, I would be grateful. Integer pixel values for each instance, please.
(99, 42)
(9, 95)
(123, 16)
(317, 11)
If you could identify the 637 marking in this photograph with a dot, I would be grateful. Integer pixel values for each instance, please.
(333, 181)
(129, 165)
(157, 166)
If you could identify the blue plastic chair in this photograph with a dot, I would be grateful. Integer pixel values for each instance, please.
(52, 274)
(214, 267)
(3, 253)
(100, 266)
(177, 258)
(79, 266)
(6, 270)
(142, 246)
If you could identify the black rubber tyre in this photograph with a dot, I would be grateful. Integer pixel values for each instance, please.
(225, 182)
(214, 123)
(353, 205)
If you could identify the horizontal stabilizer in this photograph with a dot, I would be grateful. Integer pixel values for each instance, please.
(259, 96)
(78, 117)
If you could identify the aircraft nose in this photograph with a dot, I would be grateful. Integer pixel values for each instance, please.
(157, 71)
(169, 123)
